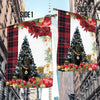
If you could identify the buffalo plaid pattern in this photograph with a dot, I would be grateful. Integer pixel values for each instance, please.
(63, 36)
(12, 51)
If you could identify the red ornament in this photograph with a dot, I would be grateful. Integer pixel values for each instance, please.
(13, 82)
(20, 86)
(18, 81)
(44, 79)
(70, 65)
(93, 66)
(41, 82)
(31, 79)
(66, 66)
(82, 64)
(50, 82)
(34, 81)
(25, 83)
(76, 66)
(46, 83)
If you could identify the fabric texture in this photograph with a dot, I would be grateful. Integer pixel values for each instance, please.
(12, 51)
(76, 42)
(29, 54)
(63, 36)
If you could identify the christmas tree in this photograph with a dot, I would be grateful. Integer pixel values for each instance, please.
(76, 53)
(25, 66)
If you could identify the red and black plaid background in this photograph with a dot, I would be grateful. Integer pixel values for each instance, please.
(63, 36)
(12, 51)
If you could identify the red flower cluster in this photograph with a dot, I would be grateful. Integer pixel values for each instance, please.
(86, 24)
(37, 30)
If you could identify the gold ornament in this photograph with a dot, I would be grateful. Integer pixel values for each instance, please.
(29, 84)
(66, 69)
(63, 69)
(7, 83)
(49, 40)
(25, 67)
(15, 26)
(86, 64)
(58, 67)
(93, 54)
(90, 69)
(14, 77)
(95, 60)
(67, 13)
(41, 20)
(89, 19)
(66, 62)
(42, 86)
(47, 70)
(47, 75)
(77, 53)
(47, 65)
(51, 72)
(14, 85)
(80, 68)
(37, 79)
(88, 57)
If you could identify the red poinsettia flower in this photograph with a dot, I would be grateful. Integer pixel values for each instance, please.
(92, 22)
(47, 21)
(13, 82)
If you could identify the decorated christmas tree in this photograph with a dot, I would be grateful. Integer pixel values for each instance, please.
(25, 68)
(76, 53)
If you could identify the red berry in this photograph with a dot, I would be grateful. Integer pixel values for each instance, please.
(82, 64)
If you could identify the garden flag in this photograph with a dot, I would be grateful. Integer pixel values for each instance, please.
(76, 42)
(29, 56)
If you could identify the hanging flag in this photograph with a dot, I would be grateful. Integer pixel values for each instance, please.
(76, 42)
(29, 56)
